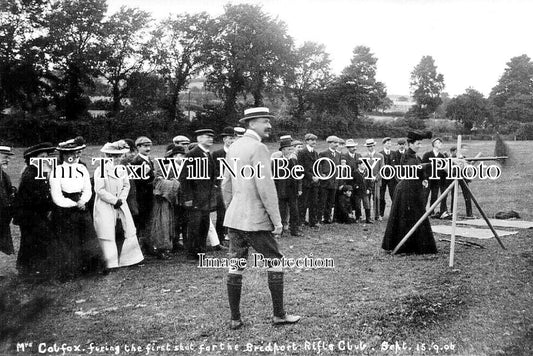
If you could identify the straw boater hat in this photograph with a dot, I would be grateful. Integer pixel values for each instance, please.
(284, 143)
(350, 143)
(370, 142)
(6, 150)
(173, 149)
(207, 132)
(256, 113)
(180, 139)
(239, 131)
(115, 148)
(71, 145)
(39, 148)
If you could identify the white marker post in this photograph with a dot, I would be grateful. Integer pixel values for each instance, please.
(454, 207)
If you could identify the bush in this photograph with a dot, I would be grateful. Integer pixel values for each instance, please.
(525, 132)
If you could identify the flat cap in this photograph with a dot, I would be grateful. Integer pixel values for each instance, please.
(142, 140)
(310, 136)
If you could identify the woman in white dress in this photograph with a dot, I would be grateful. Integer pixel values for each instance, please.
(111, 187)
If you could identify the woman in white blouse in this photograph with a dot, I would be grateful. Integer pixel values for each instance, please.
(110, 207)
(70, 188)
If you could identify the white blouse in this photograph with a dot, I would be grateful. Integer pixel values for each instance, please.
(70, 178)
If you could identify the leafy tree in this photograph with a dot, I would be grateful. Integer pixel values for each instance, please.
(75, 30)
(248, 53)
(512, 97)
(176, 52)
(356, 91)
(122, 46)
(426, 87)
(145, 91)
(310, 73)
(471, 109)
(22, 64)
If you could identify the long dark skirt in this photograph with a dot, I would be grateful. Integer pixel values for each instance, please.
(77, 250)
(36, 239)
(407, 208)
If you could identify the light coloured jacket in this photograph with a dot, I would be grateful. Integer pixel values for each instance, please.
(108, 191)
(252, 204)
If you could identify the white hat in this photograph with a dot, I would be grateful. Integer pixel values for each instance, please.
(115, 148)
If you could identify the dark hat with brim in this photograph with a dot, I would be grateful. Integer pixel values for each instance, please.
(201, 132)
(72, 145)
(256, 113)
(228, 131)
(385, 139)
(285, 143)
(39, 148)
(6, 150)
(173, 149)
(418, 135)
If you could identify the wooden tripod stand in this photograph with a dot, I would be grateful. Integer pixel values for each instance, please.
(455, 186)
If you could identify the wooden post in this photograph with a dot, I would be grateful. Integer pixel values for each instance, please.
(454, 207)
(419, 222)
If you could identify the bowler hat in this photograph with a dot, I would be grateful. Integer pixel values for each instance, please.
(173, 149)
(228, 131)
(39, 148)
(74, 144)
(256, 113)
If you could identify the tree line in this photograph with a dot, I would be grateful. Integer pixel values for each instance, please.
(55, 54)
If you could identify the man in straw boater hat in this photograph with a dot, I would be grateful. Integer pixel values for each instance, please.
(328, 187)
(228, 137)
(252, 214)
(199, 192)
(7, 196)
(372, 154)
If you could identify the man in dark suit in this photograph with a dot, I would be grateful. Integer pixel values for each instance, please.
(144, 187)
(328, 187)
(400, 152)
(438, 184)
(228, 137)
(351, 158)
(310, 184)
(199, 191)
(252, 215)
(389, 158)
(288, 189)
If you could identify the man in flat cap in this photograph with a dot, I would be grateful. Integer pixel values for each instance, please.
(328, 187)
(375, 182)
(252, 214)
(182, 141)
(436, 186)
(144, 188)
(310, 183)
(228, 137)
(199, 191)
(400, 152)
(389, 158)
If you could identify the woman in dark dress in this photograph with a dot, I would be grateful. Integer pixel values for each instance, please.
(7, 194)
(408, 206)
(79, 251)
(34, 207)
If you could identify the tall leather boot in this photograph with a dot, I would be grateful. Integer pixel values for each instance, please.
(234, 296)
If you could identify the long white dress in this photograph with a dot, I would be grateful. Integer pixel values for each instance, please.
(109, 189)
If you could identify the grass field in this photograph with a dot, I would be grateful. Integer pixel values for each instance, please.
(417, 304)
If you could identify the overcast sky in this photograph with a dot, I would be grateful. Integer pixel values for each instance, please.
(470, 40)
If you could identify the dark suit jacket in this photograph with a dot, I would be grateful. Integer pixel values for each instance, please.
(426, 158)
(144, 187)
(217, 155)
(202, 192)
(360, 184)
(390, 159)
(288, 188)
(306, 159)
(325, 169)
(399, 157)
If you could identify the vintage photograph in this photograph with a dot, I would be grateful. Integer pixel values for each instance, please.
(266, 177)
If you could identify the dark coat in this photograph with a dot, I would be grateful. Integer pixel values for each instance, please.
(217, 156)
(144, 187)
(360, 184)
(306, 159)
(325, 169)
(288, 188)
(407, 208)
(426, 158)
(202, 192)
(344, 207)
(6, 202)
